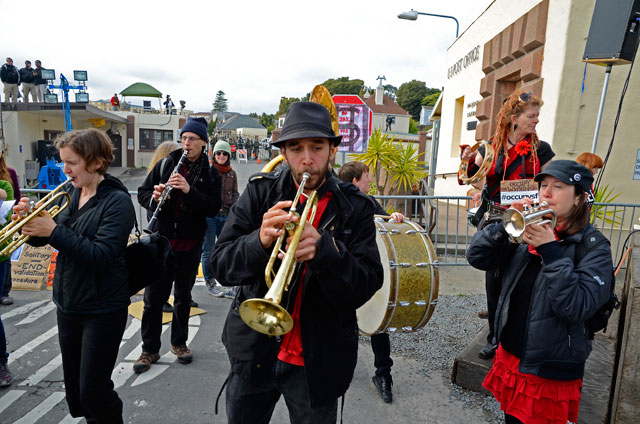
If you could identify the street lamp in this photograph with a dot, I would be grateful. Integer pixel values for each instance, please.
(412, 15)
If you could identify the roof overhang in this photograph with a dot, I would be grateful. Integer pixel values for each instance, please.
(437, 109)
(78, 110)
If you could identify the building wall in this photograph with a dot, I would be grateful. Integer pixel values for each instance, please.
(401, 125)
(252, 132)
(153, 122)
(24, 129)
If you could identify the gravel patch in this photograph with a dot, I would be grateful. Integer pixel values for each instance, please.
(451, 328)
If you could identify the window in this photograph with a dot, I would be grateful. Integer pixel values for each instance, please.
(151, 139)
(457, 127)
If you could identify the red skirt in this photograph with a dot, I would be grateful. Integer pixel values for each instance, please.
(529, 398)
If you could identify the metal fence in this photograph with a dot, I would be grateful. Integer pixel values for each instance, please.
(445, 219)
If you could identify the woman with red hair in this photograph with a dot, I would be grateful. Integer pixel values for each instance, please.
(519, 155)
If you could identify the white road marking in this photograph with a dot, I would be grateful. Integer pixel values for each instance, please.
(121, 374)
(9, 398)
(132, 329)
(153, 372)
(70, 420)
(133, 355)
(41, 410)
(44, 371)
(23, 309)
(23, 350)
(38, 313)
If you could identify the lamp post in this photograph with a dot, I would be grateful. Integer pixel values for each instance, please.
(412, 15)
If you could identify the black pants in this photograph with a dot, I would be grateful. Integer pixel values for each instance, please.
(182, 270)
(249, 403)
(510, 419)
(7, 281)
(493, 286)
(381, 347)
(89, 346)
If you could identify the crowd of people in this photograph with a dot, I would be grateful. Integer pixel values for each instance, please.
(34, 87)
(539, 337)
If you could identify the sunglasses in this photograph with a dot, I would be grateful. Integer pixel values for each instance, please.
(524, 97)
(221, 153)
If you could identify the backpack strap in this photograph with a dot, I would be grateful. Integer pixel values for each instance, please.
(590, 239)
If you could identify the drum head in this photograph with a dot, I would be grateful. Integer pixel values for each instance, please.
(371, 315)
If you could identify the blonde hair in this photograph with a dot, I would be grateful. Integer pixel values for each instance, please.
(162, 152)
(514, 105)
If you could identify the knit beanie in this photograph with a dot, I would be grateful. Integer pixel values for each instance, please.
(197, 126)
(222, 146)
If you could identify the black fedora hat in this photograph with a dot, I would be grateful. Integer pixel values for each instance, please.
(307, 120)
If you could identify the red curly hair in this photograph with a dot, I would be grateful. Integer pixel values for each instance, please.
(514, 105)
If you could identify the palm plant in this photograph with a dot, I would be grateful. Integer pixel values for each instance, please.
(604, 194)
(392, 165)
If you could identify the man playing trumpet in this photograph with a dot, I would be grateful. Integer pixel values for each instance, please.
(338, 271)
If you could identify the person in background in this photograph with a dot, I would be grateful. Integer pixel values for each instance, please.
(195, 195)
(593, 163)
(338, 270)
(27, 79)
(519, 155)
(41, 83)
(549, 291)
(358, 173)
(162, 151)
(10, 77)
(90, 287)
(222, 161)
(115, 102)
(6, 193)
(168, 105)
(10, 175)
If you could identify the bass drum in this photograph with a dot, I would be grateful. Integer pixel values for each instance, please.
(409, 293)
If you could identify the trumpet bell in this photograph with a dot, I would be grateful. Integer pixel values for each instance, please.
(266, 317)
(514, 222)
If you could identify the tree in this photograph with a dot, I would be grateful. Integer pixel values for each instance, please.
(266, 120)
(390, 91)
(254, 115)
(344, 85)
(211, 126)
(413, 127)
(410, 95)
(220, 103)
(285, 102)
(430, 99)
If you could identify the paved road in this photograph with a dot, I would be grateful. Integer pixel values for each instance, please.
(171, 392)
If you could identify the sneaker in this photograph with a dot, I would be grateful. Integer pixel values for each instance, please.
(229, 293)
(383, 383)
(6, 300)
(183, 353)
(5, 376)
(216, 290)
(210, 283)
(167, 307)
(144, 362)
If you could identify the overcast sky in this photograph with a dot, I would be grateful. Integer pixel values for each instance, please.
(254, 51)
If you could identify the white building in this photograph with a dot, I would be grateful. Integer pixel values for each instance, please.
(537, 46)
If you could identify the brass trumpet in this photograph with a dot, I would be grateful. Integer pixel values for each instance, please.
(265, 315)
(11, 232)
(515, 222)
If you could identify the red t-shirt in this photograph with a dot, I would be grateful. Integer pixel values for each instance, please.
(291, 345)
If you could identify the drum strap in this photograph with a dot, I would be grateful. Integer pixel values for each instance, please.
(220, 392)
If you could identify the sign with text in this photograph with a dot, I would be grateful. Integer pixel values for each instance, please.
(354, 119)
(512, 190)
(636, 169)
(29, 267)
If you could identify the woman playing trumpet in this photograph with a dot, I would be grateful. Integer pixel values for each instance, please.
(519, 155)
(90, 285)
(548, 293)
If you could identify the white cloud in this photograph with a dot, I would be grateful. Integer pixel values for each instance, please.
(255, 51)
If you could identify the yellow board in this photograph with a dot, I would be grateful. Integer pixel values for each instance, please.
(136, 308)
(200, 274)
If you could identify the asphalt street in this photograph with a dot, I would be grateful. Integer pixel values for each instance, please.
(171, 392)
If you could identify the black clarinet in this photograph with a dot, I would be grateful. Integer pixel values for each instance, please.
(165, 194)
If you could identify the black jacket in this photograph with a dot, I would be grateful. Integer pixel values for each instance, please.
(345, 273)
(26, 75)
(9, 74)
(203, 199)
(38, 80)
(565, 295)
(91, 273)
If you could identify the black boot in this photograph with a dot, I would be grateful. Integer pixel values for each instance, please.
(383, 383)
(488, 351)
